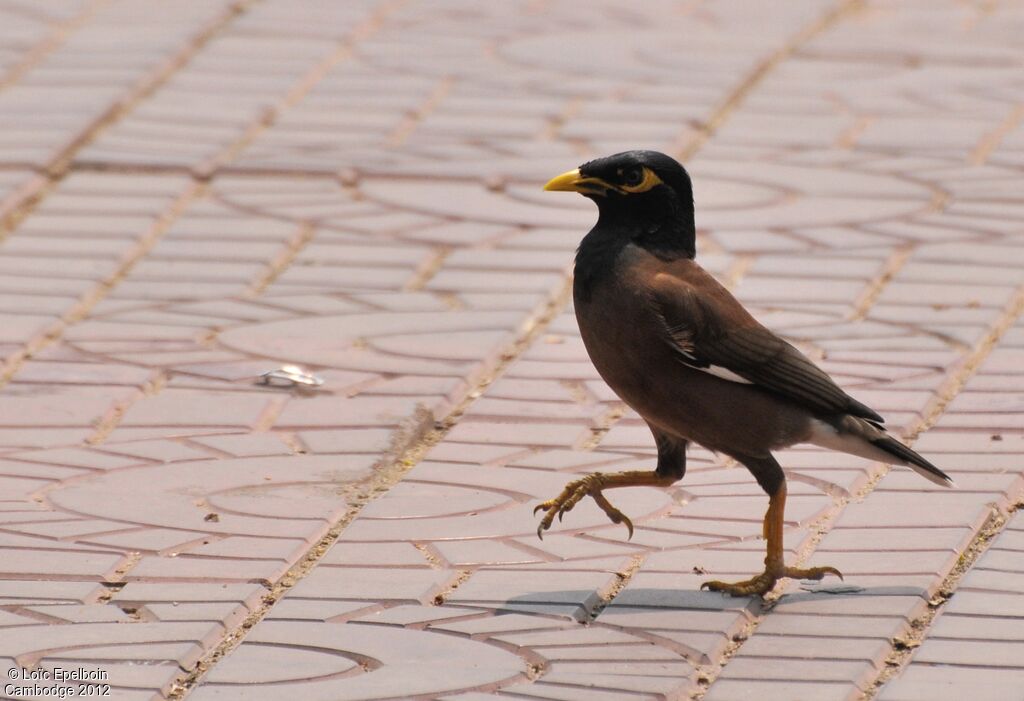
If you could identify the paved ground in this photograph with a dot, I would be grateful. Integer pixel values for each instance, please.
(195, 192)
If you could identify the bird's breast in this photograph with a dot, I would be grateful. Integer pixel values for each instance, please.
(625, 341)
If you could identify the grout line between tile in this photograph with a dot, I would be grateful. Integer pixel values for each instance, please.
(51, 43)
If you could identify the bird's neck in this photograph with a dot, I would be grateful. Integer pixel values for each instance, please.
(599, 251)
(662, 225)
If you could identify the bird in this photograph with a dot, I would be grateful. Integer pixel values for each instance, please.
(681, 351)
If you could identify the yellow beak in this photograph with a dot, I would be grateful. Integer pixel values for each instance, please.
(567, 182)
(573, 181)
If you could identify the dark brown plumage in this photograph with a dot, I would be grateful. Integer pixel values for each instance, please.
(682, 352)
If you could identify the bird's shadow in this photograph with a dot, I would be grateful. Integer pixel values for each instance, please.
(651, 599)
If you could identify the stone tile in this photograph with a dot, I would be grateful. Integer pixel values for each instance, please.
(991, 653)
(373, 584)
(578, 588)
(825, 625)
(762, 690)
(952, 682)
(411, 662)
(779, 670)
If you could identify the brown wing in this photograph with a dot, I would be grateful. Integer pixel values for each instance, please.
(711, 331)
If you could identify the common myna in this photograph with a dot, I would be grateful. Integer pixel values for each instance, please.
(679, 349)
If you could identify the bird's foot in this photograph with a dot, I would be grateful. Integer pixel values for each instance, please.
(591, 485)
(765, 582)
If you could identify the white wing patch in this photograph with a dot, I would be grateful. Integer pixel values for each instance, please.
(683, 339)
(724, 374)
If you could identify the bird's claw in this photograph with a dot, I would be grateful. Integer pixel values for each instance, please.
(765, 582)
(614, 514)
(572, 494)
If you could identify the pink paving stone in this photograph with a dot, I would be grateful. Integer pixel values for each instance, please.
(952, 683)
(895, 509)
(992, 580)
(825, 624)
(789, 690)
(374, 583)
(557, 692)
(753, 669)
(970, 627)
(570, 636)
(245, 444)
(977, 442)
(67, 529)
(645, 656)
(375, 554)
(1009, 540)
(489, 622)
(508, 408)
(349, 411)
(80, 638)
(152, 674)
(811, 648)
(1002, 560)
(229, 613)
(83, 613)
(331, 341)
(184, 653)
(325, 610)
(412, 662)
(625, 684)
(83, 373)
(14, 619)
(158, 450)
(988, 653)
(661, 668)
(511, 432)
(349, 440)
(43, 564)
(416, 499)
(255, 664)
(476, 552)
(935, 562)
(242, 547)
(515, 515)
(579, 588)
(206, 569)
(413, 615)
(142, 539)
(478, 453)
(857, 604)
(22, 592)
(239, 484)
(64, 407)
(144, 593)
(188, 408)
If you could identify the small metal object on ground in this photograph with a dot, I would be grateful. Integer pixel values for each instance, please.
(290, 376)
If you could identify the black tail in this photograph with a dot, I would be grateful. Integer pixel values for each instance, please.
(913, 461)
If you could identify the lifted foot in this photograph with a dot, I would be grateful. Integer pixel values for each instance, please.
(764, 582)
(591, 485)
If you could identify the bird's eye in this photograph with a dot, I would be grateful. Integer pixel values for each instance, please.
(633, 177)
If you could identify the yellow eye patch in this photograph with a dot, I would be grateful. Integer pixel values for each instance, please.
(649, 181)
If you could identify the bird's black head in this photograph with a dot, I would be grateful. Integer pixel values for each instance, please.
(644, 196)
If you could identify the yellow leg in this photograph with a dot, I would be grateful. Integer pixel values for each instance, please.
(774, 563)
(592, 485)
